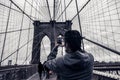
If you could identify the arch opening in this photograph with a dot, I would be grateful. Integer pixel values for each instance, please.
(45, 48)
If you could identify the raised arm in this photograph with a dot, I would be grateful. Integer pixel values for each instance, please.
(53, 53)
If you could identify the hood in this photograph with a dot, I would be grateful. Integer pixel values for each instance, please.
(77, 60)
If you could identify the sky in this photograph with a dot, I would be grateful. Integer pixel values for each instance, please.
(43, 15)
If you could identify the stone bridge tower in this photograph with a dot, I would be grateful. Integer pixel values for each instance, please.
(51, 29)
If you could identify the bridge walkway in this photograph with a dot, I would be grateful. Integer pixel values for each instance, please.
(36, 77)
(102, 74)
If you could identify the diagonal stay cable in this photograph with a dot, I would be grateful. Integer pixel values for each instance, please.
(43, 10)
(34, 56)
(81, 9)
(26, 59)
(28, 38)
(107, 48)
(37, 51)
(15, 30)
(64, 9)
(31, 52)
(21, 9)
(58, 8)
(34, 7)
(18, 49)
(79, 23)
(49, 9)
(42, 4)
(9, 7)
(98, 44)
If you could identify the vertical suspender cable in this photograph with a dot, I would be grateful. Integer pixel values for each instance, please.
(80, 10)
(29, 32)
(58, 7)
(61, 10)
(20, 34)
(65, 10)
(5, 33)
(54, 10)
(54, 30)
(79, 23)
(49, 9)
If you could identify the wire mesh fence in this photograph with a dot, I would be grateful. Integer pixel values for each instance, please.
(100, 21)
(16, 29)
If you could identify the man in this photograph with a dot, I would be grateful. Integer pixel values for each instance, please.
(76, 64)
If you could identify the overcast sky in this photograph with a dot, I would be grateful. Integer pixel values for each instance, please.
(71, 11)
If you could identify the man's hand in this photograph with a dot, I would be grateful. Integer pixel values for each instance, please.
(55, 48)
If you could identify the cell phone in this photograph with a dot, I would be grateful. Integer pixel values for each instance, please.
(59, 40)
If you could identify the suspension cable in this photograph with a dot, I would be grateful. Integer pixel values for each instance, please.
(64, 9)
(15, 30)
(34, 7)
(49, 9)
(109, 49)
(61, 10)
(112, 50)
(8, 19)
(57, 10)
(79, 23)
(54, 4)
(19, 39)
(29, 30)
(10, 7)
(21, 10)
(80, 10)
(42, 10)
(19, 48)
(37, 51)
(31, 52)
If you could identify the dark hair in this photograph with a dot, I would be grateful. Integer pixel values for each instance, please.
(73, 39)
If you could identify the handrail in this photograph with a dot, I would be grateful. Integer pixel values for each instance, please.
(17, 72)
(113, 76)
(17, 68)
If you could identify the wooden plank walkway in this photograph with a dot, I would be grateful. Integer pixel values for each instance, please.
(36, 77)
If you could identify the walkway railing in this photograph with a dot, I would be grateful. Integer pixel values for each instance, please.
(99, 75)
(17, 72)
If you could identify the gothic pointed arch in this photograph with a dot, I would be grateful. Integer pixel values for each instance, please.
(50, 29)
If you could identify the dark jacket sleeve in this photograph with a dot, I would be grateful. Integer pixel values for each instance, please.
(52, 65)
(53, 53)
(51, 62)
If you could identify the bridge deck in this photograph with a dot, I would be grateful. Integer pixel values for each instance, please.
(36, 77)
(112, 76)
